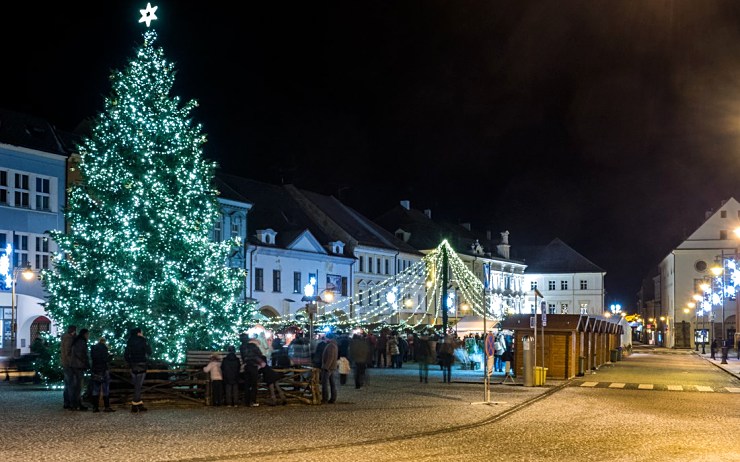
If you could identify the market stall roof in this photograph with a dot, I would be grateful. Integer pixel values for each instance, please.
(474, 323)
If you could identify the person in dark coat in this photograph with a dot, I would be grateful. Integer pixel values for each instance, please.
(329, 358)
(136, 354)
(79, 362)
(713, 349)
(359, 351)
(423, 355)
(250, 353)
(230, 370)
(69, 377)
(100, 359)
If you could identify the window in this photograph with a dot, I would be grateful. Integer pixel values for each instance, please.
(563, 285)
(297, 282)
(42, 253)
(533, 285)
(723, 214)
(387, 268)
(20, 245)
(42, 193)
(584, 307)
(377, 268)
(563, 308)
(723, 234)
(234, 229)
(550, 285)
(276, 280)
(584, 284)
(551, 308)
(4, 191)
(370, 264)
(217, 235)
(344, 286)
(22, 192)
(360, 298)
(398, 266)
(362, 263)
(259, 279)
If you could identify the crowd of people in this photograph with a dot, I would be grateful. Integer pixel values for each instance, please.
(235, 378)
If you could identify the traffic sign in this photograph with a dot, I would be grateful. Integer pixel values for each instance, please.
(490, 343)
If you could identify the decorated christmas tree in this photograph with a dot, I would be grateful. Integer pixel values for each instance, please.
(137, 252)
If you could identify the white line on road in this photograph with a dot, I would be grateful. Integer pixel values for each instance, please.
(645, 386)
(703, 388)
(589, 384)
(617, 385)
(675, 387)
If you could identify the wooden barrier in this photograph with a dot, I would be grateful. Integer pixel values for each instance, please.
(190, 384)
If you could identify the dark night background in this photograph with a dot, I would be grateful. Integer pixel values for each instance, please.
(612, 125)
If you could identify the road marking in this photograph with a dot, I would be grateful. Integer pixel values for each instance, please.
(589, 384)
(703, 388)
(617, 385)
(733, 389)
(675, 388)
(645, 386)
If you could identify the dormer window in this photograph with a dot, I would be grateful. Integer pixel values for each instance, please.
(266, 236)
(337, 247)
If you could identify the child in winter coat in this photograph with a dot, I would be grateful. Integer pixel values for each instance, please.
(344, 368)
(217, 382)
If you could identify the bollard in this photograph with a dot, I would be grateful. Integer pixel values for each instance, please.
(528, 361)
(581, 366)
(725, 350)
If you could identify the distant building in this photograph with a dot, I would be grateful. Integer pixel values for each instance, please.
(686, 273)
(569, 282)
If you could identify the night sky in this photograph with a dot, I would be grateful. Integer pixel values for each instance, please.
(613, 125)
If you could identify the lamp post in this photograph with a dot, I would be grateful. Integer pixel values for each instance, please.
(27, 272)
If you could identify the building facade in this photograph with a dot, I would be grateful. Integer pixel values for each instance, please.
(698, 300)
(32, 196)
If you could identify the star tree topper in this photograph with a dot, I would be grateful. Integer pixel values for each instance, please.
(148, 15)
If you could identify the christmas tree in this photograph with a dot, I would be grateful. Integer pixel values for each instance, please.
(137, 252)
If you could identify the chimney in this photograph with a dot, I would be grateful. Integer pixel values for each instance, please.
(504, 249)
(406, 205)
(428, 213)
(465, 225)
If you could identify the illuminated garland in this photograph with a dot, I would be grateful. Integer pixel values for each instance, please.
(385, 299)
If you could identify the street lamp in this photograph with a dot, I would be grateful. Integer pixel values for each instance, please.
(27, 273)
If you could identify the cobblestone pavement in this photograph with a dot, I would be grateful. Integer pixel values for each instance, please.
(393, 404)
(397, 418)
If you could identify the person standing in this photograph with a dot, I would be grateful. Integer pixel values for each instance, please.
(329, 360)
(423, 355)
(392, 350)
(447, 357)
(79, 362)
(213, 368)
(230, 372)
(713, 348)
(100, 358)
(136, 354)
(66, 347)
(250, 353)
(359, 350)
(380, 347)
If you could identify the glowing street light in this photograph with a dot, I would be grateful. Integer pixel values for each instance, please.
(11, 279)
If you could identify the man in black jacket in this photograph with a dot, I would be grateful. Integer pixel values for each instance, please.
(79, 363)
(136, 354)
(250, 354)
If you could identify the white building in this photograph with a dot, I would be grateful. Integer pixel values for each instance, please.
(685, 270)
(568, 282)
